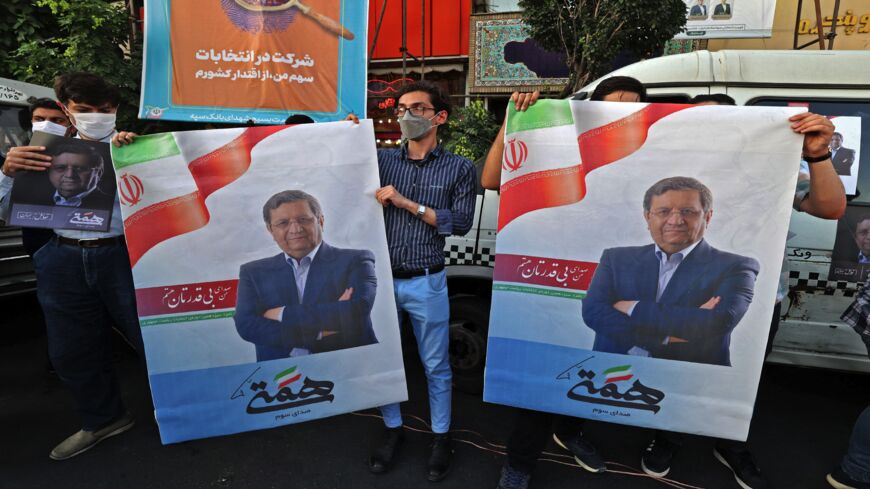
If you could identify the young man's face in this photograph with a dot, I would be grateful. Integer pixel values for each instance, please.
(56, 116)
(295, 228)
(72, 174)
(422, 101)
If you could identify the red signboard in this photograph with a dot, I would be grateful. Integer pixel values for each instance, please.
(445, 21)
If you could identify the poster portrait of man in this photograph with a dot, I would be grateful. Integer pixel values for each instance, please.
(678, 298)
(76, 192)
(722, 10)
(698, 10)
(309, 298)
(850, 259)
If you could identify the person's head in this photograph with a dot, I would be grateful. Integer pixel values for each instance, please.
(619, 89)
(700, 2)
(836, 140)
(299, 119)
(862, 235)
(75, 169)
(90, 102)
(677, 212)
(713, 99)
(295, 220)
(420, 107)
(47, 116)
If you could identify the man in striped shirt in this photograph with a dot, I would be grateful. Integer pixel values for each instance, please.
(427, 194)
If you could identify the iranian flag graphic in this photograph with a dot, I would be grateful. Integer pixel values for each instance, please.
(154, 210)
(287, 377)
(618, 374)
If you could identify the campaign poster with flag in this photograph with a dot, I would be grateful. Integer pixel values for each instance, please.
(638, 255)
(230, 61)
(263, 281)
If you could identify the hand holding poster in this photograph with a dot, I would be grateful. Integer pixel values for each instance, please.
(262, 275)
(235, 60)
(639, 253)
(76, 192)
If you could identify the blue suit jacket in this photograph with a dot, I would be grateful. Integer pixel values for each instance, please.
(631, 273)
(268, 283)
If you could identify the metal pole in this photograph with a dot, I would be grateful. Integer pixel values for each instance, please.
(423, 40)
(797, 23)
(819, 25)
(405, 39)
(377, 30)
(833, 32)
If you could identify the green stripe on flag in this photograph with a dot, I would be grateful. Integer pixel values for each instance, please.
(186, 318)
(286, 372)
(621, 368)
(545, 113)
(145, 148)
(565, 294)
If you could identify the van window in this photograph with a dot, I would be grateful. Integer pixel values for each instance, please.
(834, 107)
(11, 132)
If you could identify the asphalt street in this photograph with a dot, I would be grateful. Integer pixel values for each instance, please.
(803, 421)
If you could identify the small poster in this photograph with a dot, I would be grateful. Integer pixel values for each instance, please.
(846, 150)
(76, 192)
(723, 19)
(850, 260)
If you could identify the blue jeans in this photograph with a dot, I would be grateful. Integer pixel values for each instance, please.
(425, 300)
(83, 293)
(856, 463)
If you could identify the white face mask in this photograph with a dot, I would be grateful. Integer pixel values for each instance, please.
(49, 127)
(94, 125)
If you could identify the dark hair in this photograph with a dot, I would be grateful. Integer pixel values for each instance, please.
(618, 84)
(718, 98)
(43, 103)
(860, 220)
(837, 134)
(86, 88)
(679, 183)
(286, 197)
(299, 119)
(436, 94)
(93, 156)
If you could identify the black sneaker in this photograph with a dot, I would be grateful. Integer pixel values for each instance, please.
(512, 478)
(838, 479)
(742, 464)
(656, 459)
(584, 452)
(382, 458)
(439, 460)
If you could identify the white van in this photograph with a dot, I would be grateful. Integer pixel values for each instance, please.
(833, 83)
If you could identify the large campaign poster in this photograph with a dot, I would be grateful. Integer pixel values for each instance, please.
(638, 255)
(850, 258)
(262, 275)
(230, 61)
(726, 19)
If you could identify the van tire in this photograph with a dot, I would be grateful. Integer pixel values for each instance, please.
(469, 326)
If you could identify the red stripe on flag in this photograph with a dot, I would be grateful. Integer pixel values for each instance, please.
(618, 379)
(161, 221)
(173, 299)
(537, 270)
(598, 147)
(224, 165)
(290, 380)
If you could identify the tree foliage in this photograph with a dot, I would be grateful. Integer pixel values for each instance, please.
(593, 32)
(470, 131)
(22, 22)
(86, 35)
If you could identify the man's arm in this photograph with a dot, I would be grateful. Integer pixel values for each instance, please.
(339, 316)
(597, 306)
(490, 179)
(826, 198)
(735, 291)
(251, 324)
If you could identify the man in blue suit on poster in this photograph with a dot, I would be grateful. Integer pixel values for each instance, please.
(311, 297)
(678, 298)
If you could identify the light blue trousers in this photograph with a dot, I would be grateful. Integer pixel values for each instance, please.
(425, 300)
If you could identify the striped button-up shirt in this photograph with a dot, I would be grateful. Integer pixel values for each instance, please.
(442, 182)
